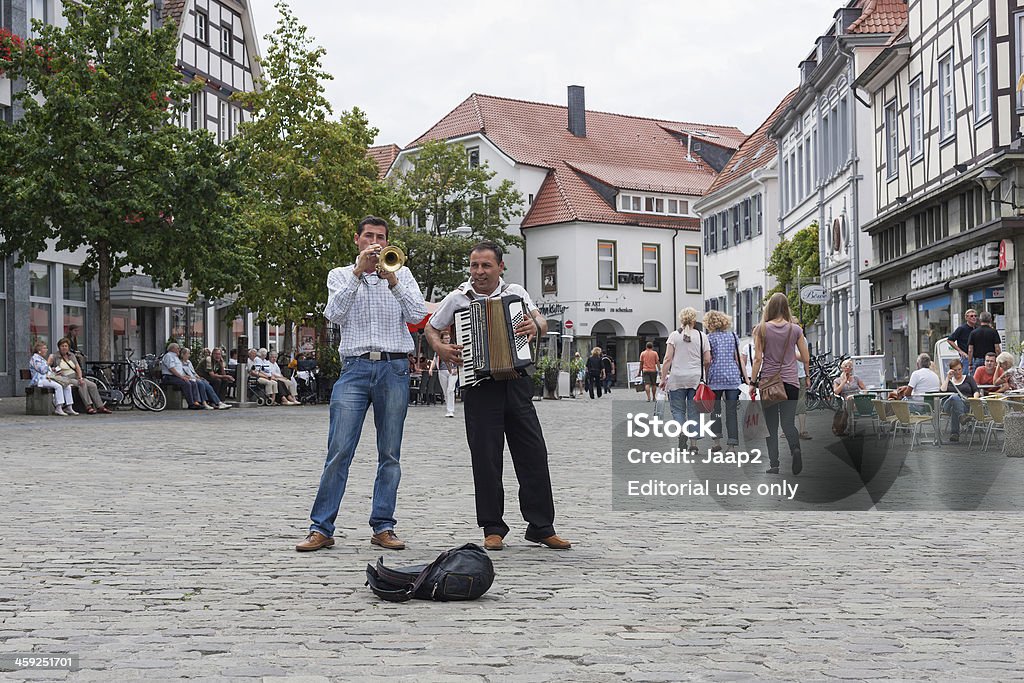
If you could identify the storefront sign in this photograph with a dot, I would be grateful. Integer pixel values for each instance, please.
(626, 277)
(814, 294)
(966, 262)
(551, 309)
(1006, 261)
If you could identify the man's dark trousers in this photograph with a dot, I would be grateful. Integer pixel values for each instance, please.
(496, 411)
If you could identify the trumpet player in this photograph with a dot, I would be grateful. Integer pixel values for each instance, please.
(372, 304)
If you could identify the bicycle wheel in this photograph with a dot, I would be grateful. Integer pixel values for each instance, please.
(147, 395)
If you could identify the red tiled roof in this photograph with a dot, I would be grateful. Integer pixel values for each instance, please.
(621, 151)
(899, 35)
(880, 16)
(174, 9)
(757, 151)
(383, 156)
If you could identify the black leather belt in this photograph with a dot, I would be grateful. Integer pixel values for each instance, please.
(384, 355)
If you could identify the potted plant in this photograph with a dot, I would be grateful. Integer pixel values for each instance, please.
(546, 376)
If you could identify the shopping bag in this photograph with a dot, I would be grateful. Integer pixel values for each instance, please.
(754, 427)
(660, 402)
(704, 398)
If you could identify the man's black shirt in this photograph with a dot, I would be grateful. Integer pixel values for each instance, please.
(984, 340)
(961, 335)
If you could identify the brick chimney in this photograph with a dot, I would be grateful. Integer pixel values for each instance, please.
(577, 112)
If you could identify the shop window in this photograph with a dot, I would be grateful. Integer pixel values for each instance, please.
(933, 322)
(40, 303)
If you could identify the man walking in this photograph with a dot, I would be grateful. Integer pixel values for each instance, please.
(372, 306)
(500, 410)
(649, 370)
(608, 365)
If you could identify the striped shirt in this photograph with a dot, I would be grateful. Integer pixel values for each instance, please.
(373, 316)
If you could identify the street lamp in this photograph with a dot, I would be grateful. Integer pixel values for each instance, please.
(990, 179)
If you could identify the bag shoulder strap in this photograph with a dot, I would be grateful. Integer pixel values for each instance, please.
(701, 359)
(789, 337)
(736, 343)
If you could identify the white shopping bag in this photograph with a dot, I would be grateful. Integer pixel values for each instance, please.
(660, 403)
(754, 427)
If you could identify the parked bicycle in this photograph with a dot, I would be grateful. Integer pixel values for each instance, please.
(125, 384)
(824, 369)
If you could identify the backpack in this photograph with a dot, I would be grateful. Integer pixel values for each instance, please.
(463, 573)
(841, 422)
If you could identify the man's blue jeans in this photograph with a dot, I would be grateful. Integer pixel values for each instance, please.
(383, 384)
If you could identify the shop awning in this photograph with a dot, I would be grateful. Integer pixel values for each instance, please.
(135, 296)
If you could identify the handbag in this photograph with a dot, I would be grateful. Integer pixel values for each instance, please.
(704, 398)
(754, 426)
(463, 573)
(772, 390)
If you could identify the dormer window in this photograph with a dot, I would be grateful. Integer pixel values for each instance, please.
(661, 205)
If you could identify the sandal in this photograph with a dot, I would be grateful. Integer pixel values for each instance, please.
(90, 411)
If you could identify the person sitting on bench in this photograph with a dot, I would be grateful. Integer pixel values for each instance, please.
(173, 374)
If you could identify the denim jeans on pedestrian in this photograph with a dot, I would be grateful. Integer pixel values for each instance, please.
(383, 384)
(682, 405)
(729, 400)
(956, 406)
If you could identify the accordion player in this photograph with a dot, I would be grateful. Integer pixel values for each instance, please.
(490, 346)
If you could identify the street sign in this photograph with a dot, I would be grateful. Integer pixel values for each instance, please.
(814, 294)
(568, 324)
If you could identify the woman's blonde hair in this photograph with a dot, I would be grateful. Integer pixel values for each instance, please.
(37, 344)
(716, 321)
(688, 317)
(596, 351)
(846, 363)
(1005, 358)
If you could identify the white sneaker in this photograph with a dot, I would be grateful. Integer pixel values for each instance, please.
(222, 406)
(68, 410)
(207, 406)
(449, 414)
(59, 411)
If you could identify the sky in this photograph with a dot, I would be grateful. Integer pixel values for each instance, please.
(407, 63)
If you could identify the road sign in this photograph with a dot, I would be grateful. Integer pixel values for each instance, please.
(814, 294)
(568, 324)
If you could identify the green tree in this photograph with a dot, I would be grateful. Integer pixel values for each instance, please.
(308, 179)
(440, 193)
(94, 163)
(799, 255)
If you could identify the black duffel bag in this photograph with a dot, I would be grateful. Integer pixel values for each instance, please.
(463, 573)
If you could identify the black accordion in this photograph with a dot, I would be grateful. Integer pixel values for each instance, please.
(490, 346)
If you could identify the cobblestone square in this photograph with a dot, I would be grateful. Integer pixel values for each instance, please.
(160, 546)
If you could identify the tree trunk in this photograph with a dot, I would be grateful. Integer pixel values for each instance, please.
(289, 329)
(106, 329)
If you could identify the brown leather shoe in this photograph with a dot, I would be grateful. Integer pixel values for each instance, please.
(493, 542)
(314, 541)
(387, 539)
(551, 541)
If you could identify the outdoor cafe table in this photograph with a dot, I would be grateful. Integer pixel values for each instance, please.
(937, 397)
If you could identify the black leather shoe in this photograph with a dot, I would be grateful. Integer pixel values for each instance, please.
(772, 470)
(798, 462)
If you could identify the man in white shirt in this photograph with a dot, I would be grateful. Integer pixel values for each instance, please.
(922, 381)
(372, 306)
(501, 410)
(173, 374)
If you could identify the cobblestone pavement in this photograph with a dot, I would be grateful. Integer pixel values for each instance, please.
(161, 546)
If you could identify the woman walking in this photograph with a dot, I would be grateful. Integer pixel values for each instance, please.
(724, 376)
(687, 355)
(776, 341)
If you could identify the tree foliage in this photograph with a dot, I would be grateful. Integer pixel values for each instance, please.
(797, 256)
(95, 163)
(307, 178)
(440, 193)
